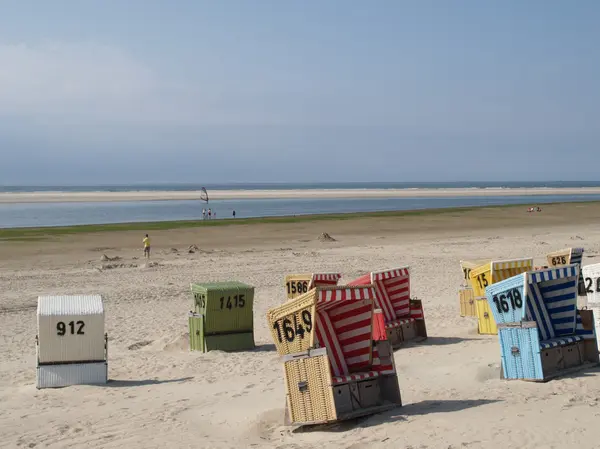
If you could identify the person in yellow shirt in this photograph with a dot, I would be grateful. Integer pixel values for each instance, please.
(146, 246)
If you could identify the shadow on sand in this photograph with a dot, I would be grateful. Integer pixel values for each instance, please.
(442, 341)
(399, 414)
(264, 348)
(144, 382)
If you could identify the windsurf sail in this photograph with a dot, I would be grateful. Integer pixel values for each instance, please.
(203, 194)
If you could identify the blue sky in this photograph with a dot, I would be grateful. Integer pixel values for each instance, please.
(246, 91)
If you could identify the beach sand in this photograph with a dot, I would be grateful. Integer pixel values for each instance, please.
(160, 395)
(54, 197)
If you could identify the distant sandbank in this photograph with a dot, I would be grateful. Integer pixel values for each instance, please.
(102, 196)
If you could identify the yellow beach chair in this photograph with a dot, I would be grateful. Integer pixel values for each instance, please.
(486, 275)
(298, 284)
(337, 364)
(466, 297)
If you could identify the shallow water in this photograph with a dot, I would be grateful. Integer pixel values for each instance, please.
(64, 214)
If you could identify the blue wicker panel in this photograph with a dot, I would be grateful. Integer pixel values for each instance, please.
(527, 363)
(507, 299)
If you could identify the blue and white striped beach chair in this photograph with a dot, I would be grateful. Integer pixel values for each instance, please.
(542, 333)
(568, 256)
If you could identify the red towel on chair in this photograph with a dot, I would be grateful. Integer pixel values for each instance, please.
(378, 326)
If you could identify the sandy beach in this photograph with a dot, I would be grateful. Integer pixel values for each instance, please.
(45, 197)
(160, 395)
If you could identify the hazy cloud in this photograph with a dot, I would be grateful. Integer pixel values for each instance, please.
(55, 78)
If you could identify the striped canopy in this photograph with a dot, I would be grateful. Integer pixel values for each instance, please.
(324, 280)
(548, 297)
(552, 301)
(392, 291)
(344, 327)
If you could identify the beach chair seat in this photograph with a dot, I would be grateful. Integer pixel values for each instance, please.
(297, 284)
(559, 341)
(542, 334)
(379, 369)
(398, 323)
(486, 275)
(354, 377)
(403, 316)
(336, 364)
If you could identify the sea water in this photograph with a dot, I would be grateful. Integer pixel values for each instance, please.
(77, 213)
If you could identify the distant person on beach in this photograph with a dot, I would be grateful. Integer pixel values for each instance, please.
(203, 213)
(209, 213)
(233, 214)
(146, 242)
(214, 214)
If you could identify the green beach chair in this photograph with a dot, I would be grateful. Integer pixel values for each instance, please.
(222, 318)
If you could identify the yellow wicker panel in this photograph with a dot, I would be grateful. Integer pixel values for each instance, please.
(467, 265)
(313, 401)
(480, 278)
(558, 258)
(292, 324)
(485, 319)
(467, 302)
(496, 271)
(507, 269)
(297, 284)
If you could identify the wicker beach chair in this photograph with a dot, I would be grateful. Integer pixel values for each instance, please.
(568, 256)
(542, 334)
(403, 316)
(486, 275)
(222, 318)
(466, 297)
(565, 256)
(297, 284)
(590, 274)
(334, 367)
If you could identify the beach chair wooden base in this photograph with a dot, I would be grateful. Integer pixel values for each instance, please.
(315, 397)
(524, 357)
(63, 375)
(358, 414)
(466, 299)
(227, 341)
(403, 331)
(55, 375)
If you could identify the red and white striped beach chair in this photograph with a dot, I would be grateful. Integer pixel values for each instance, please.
(297, 284)
(334, 367)
(403, 316)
